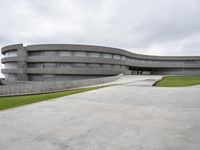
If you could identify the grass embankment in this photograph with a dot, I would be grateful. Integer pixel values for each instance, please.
(178, 81)
(15, 101)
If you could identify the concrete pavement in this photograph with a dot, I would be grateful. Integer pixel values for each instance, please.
(129, 116)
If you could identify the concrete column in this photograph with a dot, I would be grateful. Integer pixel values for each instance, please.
(22, 64)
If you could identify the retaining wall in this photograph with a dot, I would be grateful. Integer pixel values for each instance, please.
(44, 87)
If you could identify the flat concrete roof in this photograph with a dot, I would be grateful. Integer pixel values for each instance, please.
(96, 48)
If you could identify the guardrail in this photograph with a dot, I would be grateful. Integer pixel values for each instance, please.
(45, 87)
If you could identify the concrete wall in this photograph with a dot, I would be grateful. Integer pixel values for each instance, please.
(176, 72)
(42, 87)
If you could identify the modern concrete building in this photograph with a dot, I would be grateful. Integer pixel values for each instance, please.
(62, 62)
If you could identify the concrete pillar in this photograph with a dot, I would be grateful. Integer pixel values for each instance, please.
(22, 64)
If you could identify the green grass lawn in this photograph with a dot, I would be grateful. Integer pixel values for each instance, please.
(15, 101)
(178, 81)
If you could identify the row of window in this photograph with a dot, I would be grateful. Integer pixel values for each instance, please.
(163, 62)
(10, 65)
(11, 53)
(77, 54)
(68, 53)
(11, 77)
(72, 65)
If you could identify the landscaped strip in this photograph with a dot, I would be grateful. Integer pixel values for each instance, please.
(178, 81)
(15, 101)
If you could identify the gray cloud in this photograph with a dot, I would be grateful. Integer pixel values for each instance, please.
(156, 27)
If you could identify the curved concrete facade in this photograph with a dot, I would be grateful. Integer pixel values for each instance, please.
(62, 62)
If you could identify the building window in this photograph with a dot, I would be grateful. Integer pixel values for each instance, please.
(11, 53)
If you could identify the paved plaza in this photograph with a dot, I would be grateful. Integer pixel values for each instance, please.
(130, 115)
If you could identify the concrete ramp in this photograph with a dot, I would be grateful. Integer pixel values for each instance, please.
(130, 115)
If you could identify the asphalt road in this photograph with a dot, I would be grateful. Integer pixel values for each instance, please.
(131, 115)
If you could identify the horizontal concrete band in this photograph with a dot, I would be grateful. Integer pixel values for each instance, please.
(96, 49)
(73, 59)
(96, 71)
(11, 47)
(12, 71)
(162, 64)
(72, 71)
(76, 71)
(62, 59)
(9, 59)
(176, 72)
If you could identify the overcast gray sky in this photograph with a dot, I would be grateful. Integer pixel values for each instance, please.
(157, 27)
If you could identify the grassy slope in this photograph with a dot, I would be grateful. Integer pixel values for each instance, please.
(178, 81)
(14, 101)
